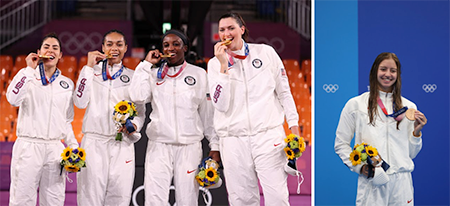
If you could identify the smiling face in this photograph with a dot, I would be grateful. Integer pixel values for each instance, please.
(50, 47)
(230, 29)
(172, 44)
(387, 75)
(114, 45)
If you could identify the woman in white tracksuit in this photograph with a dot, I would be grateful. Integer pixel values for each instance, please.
(251, 95)
(369, 118)
(44, 96)
(181, 116)
(109, 174)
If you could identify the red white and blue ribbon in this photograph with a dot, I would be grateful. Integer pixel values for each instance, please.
(44, 79)
(164, 68)
(105, 72)
(396, 115)
(233, 55)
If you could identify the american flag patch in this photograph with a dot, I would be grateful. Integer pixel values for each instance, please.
(208, 97)
(283, 72)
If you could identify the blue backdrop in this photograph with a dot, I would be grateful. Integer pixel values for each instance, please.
(348, 37)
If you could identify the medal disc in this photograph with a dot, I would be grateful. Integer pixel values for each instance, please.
(410, 114)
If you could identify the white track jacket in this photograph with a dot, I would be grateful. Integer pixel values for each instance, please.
(99, 98)
(46, 112)
(396, 147)
(254, 96)
(181, 112)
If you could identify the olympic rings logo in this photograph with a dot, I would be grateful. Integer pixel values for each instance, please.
(330, 88)
(429, 88)
(207, 196)
(80, 42)
(276, 42)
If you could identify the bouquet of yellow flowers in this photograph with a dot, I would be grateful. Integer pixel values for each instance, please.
(361, 152)
(73, 159)
(364, 153)
(208, 175)
(124, 112)
(295, 146)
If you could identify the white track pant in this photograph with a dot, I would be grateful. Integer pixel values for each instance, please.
(398, 191)
(36, 163)
(107, 179)
(164, 161)
(249, 158)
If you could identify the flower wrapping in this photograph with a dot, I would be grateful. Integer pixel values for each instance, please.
(73, 159)
(364, 153)
(208, 174)
(124, 112)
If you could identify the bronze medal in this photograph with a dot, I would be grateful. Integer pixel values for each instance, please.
(410, 114)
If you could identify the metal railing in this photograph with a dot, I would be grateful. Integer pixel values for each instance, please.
(21, 17)
(299, 16)
(294, 13)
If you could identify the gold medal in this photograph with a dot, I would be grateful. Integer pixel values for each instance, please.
(226, 42)
(410, 114)
(167, 55)
(46, 57)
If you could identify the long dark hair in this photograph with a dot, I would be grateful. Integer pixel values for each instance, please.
(373, 81)
(240, 22)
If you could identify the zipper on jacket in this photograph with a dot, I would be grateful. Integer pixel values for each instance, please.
(110, 110)
(246, 98)
(50, 113)
(387, 133)
(175, 106)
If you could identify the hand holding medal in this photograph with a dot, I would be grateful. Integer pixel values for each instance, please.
(419, 120)
(94, 57)
(32, 60)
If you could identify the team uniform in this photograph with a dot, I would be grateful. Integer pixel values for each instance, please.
(109, 174)
(397, 147)
(181, 116)
(251, 102)
(44, 119)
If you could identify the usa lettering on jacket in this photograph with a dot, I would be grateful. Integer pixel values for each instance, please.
(19, 85)
(81, 87)
(217, 93)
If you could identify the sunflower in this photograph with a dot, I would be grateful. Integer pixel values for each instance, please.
(301, 145)
(211, 174)
(289, 138)
(72, 168)
(66, 153)
(289, 153)
(81, 153)
(122, 107)
(199, 180)
(371, 151)
(355, 157)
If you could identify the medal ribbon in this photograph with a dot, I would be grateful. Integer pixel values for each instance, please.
(179, 71)
(44, 78)
(231, 54)
(396, 115)
(164, 68)
(105, 72)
